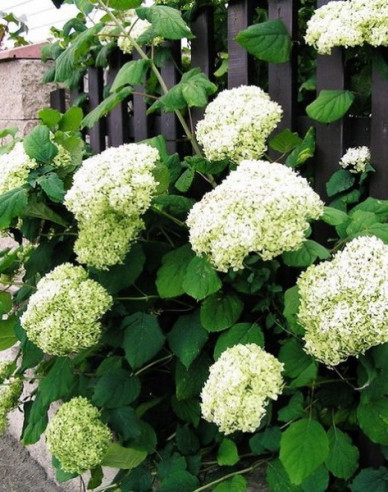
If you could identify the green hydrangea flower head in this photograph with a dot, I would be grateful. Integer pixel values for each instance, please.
(62, 316)
(77, 437)
(237, 124)
(344, 301)
(110, 192)
(14, 168)
(240, 384)
(10, 391)
(260, 207)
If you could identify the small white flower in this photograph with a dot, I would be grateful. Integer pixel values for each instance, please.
(356, 159)
(14, 168)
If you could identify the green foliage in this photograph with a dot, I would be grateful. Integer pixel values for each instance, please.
(330, 106)
(166, 21)
(12, 204)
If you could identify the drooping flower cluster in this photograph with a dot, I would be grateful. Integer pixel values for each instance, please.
(136, 28)
(240, 384)
(348, 23)
(344, 302)
(237, 123)
(14, 168)
(110, 192)
(10, 391)
(355, 159)
(260, 207)
(63, 315)
(77, 437)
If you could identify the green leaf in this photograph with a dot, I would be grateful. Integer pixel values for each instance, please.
(187, 410)
(105, 106)
(96, 478)
(269, 439)
(361, 222)
(185, 180)
(12, 204)
(186, 440)
(340, 181)
(317, 482)
(303, 151)
(306, 255)
(142, 338)
(219, 312)
(166, 21)
(174, 204)
(269, 41)
(124, 4)
(378, 207)
(291, 309)
(7, 332)
(60, 475)
(200, 279)
(169, 280)
(116, 389)
(243, 333)
(373, 419)
(189, 382)
(371, 480)
(53, 186)
(118, 456)
(71, 120)
(333, 216)
(294, 409)
(285, 141)
(171, 465)
(278, 479)
(5, 303)
(38, 145)
(49, 117)
(35, 421)
(131, 73)
(187, 338)
(235, 484)
(40, 210)
(125, 421)
(342, 461)
(297, 364)
(58, 381)
(182, 481)
(140, 480)
(304, 447)
(330, 105)
(119, 277)
(227, 453)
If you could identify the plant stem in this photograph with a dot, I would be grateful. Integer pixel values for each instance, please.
(225, 477)
(154, 363)
(144, 298)
(165, 214)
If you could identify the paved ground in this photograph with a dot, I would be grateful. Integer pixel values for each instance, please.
(19, 472)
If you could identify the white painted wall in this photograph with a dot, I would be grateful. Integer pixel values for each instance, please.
(39, 15)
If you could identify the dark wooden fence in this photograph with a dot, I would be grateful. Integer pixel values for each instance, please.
(332, 139)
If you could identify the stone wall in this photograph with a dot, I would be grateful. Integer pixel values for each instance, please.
(22, 93)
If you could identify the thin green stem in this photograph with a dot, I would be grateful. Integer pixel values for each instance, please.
(225, 477)
(154, 363)
(165, 214)
(144, 298)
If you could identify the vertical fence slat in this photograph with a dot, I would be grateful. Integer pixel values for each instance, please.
(240, 13)
(117, 120)
(58, 100)
(140, 120)
(95, 90)
(378, 187)
(202, 50)
(169, 124)
(282, 77)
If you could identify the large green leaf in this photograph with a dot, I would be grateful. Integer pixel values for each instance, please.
(342, 461)
(169, 280)
(38, 145)
(166, 21)
(278, 479)
(39, 210)
(340, 181)
(53, 186)
(181, 481)
(333, 216)
(116, 389)
(71, 120)
(7, 333)
(189, 382)
(200, 279)
(304, 447)
(220, 311)
(58, 381)
(131, 73)
(370, 479)
(303, 151)
(373, 418)
(378, 207)
(285, 141)
(12, 204)
(297, 364)
(124, 4)
(330, 105)
(35, 420)
(105, 106)
(143, 338)
(125, 421)
(306, 254)
(269, 41)
(187, 338)
(295, 408)
(118, 456)
(291, 309)
(227, 454)
(241, 333)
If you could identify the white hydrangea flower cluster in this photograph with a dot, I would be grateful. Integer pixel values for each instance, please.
(15, 167)
(10, 391)
(136, 28)
(240, 384)
(237, 123)
(344, 302)
(77, 437)
(63, 315)
(260, 207)
(109, 193)
(348, 23)
(356, 159)
(5, 368)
